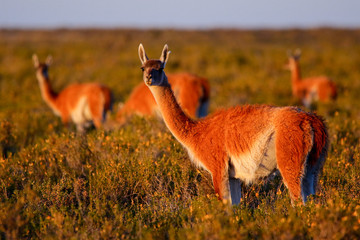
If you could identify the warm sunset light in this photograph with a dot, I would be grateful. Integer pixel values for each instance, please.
(179, 119)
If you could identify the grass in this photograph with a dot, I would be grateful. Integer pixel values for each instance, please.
(137, 182)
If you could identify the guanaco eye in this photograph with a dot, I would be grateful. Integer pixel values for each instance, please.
(142, 69)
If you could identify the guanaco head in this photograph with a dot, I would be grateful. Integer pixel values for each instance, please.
(42, 68)
(153, 70)
(293, 59)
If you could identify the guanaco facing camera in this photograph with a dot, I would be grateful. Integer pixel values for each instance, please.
(243, 143)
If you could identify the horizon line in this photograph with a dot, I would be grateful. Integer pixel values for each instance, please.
(199, 28)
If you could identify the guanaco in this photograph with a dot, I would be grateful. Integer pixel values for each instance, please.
(244, 143)
(85, 104)
(192, 93)
(309, 90)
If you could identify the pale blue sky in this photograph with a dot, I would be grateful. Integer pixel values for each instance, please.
(179, 13)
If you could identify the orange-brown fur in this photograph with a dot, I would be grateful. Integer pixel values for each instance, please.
(97, 99)
(311, 89)
(190, 90)
(245, 142)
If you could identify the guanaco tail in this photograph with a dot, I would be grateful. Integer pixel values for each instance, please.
(192, 93)
(85, 104)
(244, 143)
(309, 90)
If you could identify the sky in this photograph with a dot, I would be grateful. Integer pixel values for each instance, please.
(192, 14)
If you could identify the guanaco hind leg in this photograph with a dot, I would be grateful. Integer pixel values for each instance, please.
(235, 190)
(311, 177)
(292, 151)
(307, 183)
(234, 185)
(318, 168)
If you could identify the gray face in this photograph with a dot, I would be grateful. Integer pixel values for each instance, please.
(43, 68)
(153, 73)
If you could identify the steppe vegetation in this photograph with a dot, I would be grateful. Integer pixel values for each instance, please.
(137, 182)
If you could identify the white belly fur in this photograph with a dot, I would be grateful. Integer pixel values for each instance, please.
(81, 113)
(258, 162)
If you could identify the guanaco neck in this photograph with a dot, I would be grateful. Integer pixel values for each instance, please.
(180, 125)
(295, 76)
(295, 72)
(47, 93)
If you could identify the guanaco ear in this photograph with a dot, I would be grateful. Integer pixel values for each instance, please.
(142, 54)
(35, 60)
(165, 54)
(49, 60)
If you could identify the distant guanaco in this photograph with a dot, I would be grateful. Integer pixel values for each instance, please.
(191, 91)
(85, 104)
(244, 143)
(309, 90)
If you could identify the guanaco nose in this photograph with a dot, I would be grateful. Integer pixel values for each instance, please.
(149, 76)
